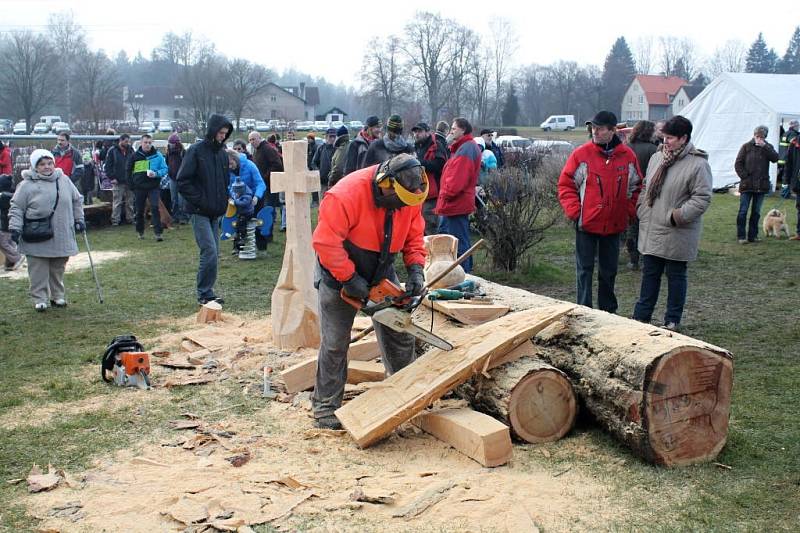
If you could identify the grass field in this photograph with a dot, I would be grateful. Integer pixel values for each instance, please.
(744, 298)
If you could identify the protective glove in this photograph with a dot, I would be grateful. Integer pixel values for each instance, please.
(356, 287)
(80, 227)
(15, 236)
(785, 192)
(416, 280)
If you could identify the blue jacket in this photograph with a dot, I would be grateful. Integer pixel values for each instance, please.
(140, 163)
(251, 177)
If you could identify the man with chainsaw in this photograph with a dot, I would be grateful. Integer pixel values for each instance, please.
(364, 220)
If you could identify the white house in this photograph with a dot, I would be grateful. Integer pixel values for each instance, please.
(154, 103)
(654, 98)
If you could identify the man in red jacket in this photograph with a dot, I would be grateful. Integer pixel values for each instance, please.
(598, 188)
(364, 220)
(456, 199)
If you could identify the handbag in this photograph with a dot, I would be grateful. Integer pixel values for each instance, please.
(40, 229)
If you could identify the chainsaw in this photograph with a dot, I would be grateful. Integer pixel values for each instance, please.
(126, 362)
(389, 305)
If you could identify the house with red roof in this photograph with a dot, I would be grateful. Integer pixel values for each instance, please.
(655, 97)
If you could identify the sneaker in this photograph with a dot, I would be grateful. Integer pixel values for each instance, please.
(743, 241)
(159, 238)
(141, 236)
(58, 302)
(328, 422)
(672, 326)
(40, 307)
(204, 301)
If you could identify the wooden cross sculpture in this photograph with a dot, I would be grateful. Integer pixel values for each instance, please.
(295, 311)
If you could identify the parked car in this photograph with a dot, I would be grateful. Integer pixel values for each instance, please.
(6, 125)
(321, 125)
(273, 124)
(558, 123)
(21, 128)
(513, 143)
(250, 123)
(164, 126)
(261, 125)
(356, 125)
(50, 120)
(147, 127)
(304, 125)
(336, 124)
(40, 128)
(61, 127)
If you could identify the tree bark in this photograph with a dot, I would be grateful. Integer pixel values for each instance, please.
(534, 399)
(663, 394)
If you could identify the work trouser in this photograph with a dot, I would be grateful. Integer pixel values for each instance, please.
(335, 322)
(458, 227)
(431, 218)
(122, 195)
(605, 248)
(142, 195)
(206, 234)
(46, 275)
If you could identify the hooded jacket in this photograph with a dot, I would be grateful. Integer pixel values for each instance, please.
(322, 161)
(34, 198)
(203, 176)
(752, 166)
(338, 160)
(117, 162)
(143, 161)
(599, 186)
(349, 234)
(459, 178)
(357, 152)
(433, 155)
(251, 177)
(379, 151)
(671, 228)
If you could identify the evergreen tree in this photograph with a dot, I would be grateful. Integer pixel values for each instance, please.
(700, 80)
(510, 112)
(790, 64)
(618, 72)
(760, 58)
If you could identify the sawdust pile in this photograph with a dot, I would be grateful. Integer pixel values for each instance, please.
(75, 263)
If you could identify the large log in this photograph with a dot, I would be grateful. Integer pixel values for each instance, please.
(534, 399)
(665, 395)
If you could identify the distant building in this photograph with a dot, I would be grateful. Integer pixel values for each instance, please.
(656, 97)
(334, 114)
(287, 103)
(154, 104)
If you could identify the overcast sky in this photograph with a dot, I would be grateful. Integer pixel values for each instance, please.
(329, 38)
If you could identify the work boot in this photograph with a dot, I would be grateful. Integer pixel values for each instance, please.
(328, 422)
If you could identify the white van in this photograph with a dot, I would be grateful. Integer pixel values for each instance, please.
(50, 119)
(558, 123)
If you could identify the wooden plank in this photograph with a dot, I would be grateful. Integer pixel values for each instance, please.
(476, 435)
(523, 350)
(364, 371)
(397, 399)
(302, 376)
(471, 314)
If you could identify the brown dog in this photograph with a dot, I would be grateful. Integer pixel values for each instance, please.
(775, 223)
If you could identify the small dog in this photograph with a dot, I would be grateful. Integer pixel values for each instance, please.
(775, 223)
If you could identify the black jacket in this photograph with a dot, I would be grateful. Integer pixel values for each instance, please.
(644, 151)
(117, 163)
(498, 154)
(6, 193)
(432, 160)
(378, 153)
(322, 161)
(752, 166)
(356, 153)
(203, 176)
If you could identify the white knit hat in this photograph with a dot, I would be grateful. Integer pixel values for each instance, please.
(38, 154)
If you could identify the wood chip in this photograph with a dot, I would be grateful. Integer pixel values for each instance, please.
(146, 461)
(38, 482)
(184, 424)
(358, 495)
(239, 459)
(176, 381)
(425, 501)
(187, 511)
(724, 467)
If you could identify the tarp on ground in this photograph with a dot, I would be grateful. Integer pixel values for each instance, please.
(725, 114)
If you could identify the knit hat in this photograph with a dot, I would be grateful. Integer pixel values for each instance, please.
(395, 124)
(421, 126)
(373, 121)
(342, 131)
(311, 136)
(442, 127)
(330, 131)
(38, 154)
(174, 138)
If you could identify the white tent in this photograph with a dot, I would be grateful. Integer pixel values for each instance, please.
(725, 114)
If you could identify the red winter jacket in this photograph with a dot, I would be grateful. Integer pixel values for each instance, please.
(600, 192)
(349, 233)
(459, 179)
(5, 161)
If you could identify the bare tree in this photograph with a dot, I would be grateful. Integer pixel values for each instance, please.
(564, 75)
(504, 44)
(69, 40)
(678, 57)
(27, 85)
(730, 57)
(176, 49)
(533, 91)
(426, 45)
(202, 81)
(480, 74)
(643, 55)
(98, 86)
(381, 74)
(246, 81)
(463, 47)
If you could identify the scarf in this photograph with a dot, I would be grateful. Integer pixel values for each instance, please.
(366, 136)
(396, 146)
(657, 181)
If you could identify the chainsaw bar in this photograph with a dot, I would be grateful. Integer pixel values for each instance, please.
(400, 321)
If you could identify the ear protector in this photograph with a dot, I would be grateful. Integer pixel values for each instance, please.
(388, 179)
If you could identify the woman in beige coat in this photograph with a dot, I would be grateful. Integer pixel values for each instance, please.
(676, 193)
(45, 190)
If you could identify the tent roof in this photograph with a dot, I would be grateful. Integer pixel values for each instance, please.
(778, 92)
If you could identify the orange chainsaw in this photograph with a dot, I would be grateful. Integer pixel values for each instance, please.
(389, 305)
(127, 362)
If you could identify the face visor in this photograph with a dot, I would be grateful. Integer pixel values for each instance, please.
(405, 178)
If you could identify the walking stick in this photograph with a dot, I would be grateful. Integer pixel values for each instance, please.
(91, 264)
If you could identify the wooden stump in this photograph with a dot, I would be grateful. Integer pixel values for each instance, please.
(533, 398)
(442, 251)
(209, 312)
(665, 395)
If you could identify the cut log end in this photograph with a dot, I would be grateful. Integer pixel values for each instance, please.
(209, 312)
(687, 405)
(542, 407)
